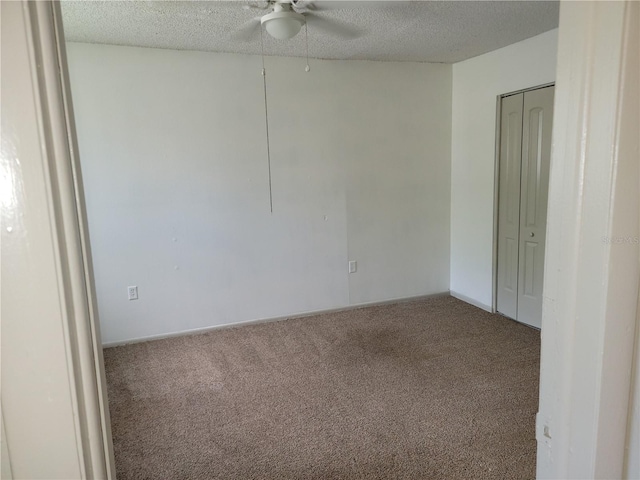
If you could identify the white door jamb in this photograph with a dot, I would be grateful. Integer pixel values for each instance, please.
(592, 265)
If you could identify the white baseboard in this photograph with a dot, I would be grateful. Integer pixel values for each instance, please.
(195, 331)
(471, 301)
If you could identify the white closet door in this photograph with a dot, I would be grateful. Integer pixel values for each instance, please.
(509, 204)
(536, 152)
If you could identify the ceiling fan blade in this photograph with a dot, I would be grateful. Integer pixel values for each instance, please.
(256, 6)
(329, 5)
(334, 27)
(247, 30)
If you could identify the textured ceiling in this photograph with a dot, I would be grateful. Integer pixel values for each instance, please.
(424, 31)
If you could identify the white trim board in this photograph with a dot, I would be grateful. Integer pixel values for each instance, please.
(471, 301)
(196, 331)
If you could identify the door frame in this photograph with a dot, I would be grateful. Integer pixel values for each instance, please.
(496, 189)
(55, 175)
(590, 316)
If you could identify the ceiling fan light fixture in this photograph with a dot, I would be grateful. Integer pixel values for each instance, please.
(284, 24)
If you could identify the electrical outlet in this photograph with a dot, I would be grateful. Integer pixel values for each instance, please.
(132, 292)
(353, 266)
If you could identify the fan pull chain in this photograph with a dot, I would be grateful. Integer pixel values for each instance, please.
(306, 39)
(266, 119)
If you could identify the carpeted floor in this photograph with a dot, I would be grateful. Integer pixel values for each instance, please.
(431, 389)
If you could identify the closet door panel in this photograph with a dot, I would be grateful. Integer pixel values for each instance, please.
(536, 152)
(509, 204)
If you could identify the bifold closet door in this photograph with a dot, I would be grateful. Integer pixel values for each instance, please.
(536, 154)
(525, 151)
(509, 204)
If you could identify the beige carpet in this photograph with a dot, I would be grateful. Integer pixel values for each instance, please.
(432, 389)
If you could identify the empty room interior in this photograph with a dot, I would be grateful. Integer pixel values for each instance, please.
(317, 232)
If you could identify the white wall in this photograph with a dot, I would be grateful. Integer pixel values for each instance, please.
(172, 145)
(476, 84)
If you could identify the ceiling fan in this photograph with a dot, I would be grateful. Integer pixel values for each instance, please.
(284, 21)
(287, 17)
